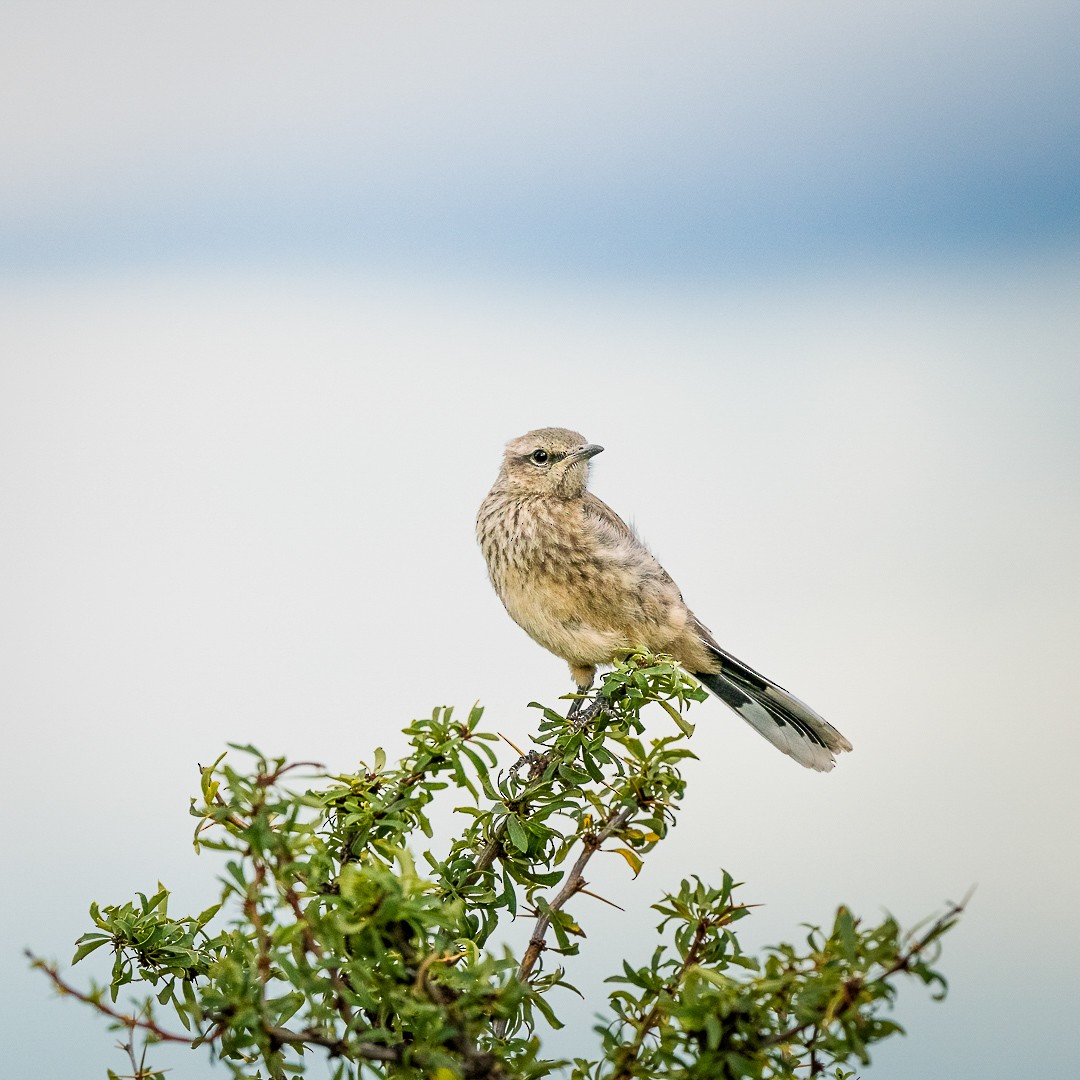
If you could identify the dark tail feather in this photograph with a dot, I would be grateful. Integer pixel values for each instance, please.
(789, 724)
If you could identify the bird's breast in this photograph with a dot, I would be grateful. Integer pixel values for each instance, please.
(579, 589)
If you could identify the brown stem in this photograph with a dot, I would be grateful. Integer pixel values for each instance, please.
(279, 1035)
(573, 883)
(126, 1019)
(267, 779)
(338, 1046)
(312, 946)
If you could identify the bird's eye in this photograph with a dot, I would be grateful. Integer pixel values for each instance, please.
(539, 456)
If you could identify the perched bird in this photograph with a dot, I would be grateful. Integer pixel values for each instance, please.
(576, 578)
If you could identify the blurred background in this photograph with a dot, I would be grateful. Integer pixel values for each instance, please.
(278, 282)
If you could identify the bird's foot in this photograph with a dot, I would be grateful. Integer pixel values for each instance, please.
(536, 763)
(579, 717)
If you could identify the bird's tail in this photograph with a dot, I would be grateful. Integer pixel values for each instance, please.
(770, 710)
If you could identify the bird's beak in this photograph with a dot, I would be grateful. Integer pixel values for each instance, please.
(588, 451)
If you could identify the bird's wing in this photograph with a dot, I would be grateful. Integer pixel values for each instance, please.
(600, 510)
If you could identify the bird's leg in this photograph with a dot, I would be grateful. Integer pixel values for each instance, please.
(580, 714)
(583, 676)
(578, 703)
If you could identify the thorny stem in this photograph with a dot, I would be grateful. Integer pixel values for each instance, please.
(138, 1068)
(574, 883)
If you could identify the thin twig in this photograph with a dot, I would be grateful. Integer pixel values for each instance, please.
(573, 884)
(336, 1045)
(511, 744)
(126, 1019)
(602, 899)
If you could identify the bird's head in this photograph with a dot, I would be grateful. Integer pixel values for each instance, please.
(548, 461)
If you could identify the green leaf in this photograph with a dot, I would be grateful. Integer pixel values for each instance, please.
(684, 725)
(844, 932)
(205, 916)
(517, 834)
(577, 777)
(87, 944)
(288, 1007)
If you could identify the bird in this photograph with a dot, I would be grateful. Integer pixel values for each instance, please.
(578, 580)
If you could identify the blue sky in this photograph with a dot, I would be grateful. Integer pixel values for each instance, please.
(626, 140)
(277, 284)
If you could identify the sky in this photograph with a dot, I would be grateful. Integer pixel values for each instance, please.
(277, 285)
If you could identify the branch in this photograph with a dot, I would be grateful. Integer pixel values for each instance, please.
(492, 848)
(574, 883)
(901, 963)
(126, 1019)
(337, 1046)
(279, 1035)
(650, 1020)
